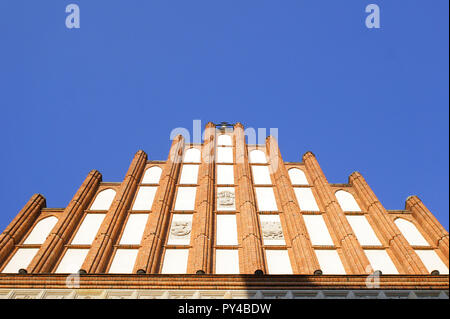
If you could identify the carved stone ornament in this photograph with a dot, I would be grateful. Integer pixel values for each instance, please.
(272, 230)
(180, 228)
(225, 198)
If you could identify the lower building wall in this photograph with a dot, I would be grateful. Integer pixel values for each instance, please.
(219, 294)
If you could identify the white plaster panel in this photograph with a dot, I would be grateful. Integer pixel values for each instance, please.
(266, 199)
(123, 262)
(297, 177)
(347, 201)
(41, 231)
(225, 174)
(330, 262)
(104, 199)
(363, 230)
(227, 261)
(257, 156)
(278, 262)
(224, 155)
(152, 175)
(432, 261)
(261, 175)
(306, 199)
(175, 261)
(144, 198)
(318, 230)
(72, 261)
(226, 233)
(411, 233)
(185, 198)
(134, 229)
(21, 259)
(380, 260)
(88, 229)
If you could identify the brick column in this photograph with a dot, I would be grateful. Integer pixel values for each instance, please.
(306, 261)
(407, 260)
(200, 254)
(430, 224)
(153, 239)
(355, 260)
(20, 225)
(102, 247)
(53, 246)
(251, 242)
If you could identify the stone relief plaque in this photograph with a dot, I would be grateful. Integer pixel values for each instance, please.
(271, 229)
(180, 230)
(226, 198)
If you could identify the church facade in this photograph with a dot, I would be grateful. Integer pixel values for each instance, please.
(224, 219)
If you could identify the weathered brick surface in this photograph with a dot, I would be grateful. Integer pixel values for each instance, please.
(50, 251)
(20, 225)
(153, 240)
(102, 247)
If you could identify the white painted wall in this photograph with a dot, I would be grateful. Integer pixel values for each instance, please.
(224, 140)
(266, 199)
(261, 175)
(432, 261)
(297, 177)
(347, 201)
(226, 233)
(175, 261)
(278, 262)
(227, 261)
(88, 229)
(104, 199)
(192, 155)
(363, 230)
(330, 262)
(180, 240)
(185, 198)
(411, 233)
(21, 259)
(152, 175)
(41, 231)
(380, 260)
(224, 155)
(305, 199)
(144, 198)
(123, 262)
(257, 156)
(72, 261)
(317, 230)
(189, 174)
(132, 234)
(225, 174)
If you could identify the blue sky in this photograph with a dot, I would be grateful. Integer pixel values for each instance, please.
(372, 100)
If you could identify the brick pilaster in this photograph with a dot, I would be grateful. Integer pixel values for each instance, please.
(153, 239)
(305, 259)
(430, 224)
(407, 260)
(355, 260)
(200, 255)
(20, 225)
(252, 251)
(102, 247)
(53, 246)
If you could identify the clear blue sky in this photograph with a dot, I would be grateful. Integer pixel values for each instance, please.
(375, 101)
